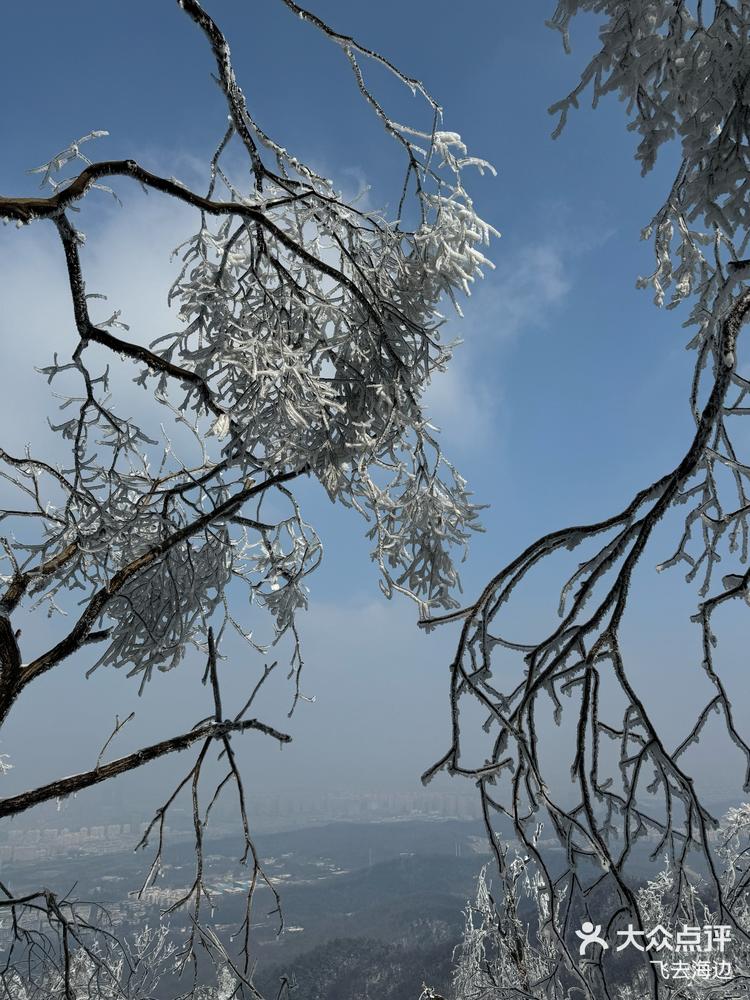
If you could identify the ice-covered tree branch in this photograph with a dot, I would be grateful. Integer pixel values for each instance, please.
(306, 331)
(683, 75)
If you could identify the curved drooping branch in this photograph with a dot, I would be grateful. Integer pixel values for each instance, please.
(609, 815)
(682, 71)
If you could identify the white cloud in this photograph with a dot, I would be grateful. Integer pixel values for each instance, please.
(520, 297)
(524, 294)
(127, 258)
(463, 404)
(37, 321)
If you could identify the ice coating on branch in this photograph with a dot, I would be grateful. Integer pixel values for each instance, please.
(321, 347)
(684, 76)
(308, 332)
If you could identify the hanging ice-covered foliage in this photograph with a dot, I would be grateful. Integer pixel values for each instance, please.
(307, 330)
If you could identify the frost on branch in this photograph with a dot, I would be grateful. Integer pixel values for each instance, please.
(687, 77)
(502, 953)
(308, 331)
(505, 956)
(318, 329)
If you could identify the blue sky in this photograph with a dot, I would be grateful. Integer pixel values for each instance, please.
(568, 395)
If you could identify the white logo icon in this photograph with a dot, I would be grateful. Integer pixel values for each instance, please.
(590, 935)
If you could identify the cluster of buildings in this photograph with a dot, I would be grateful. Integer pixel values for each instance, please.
(299, 810)
(267, 812)
(51, 842)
